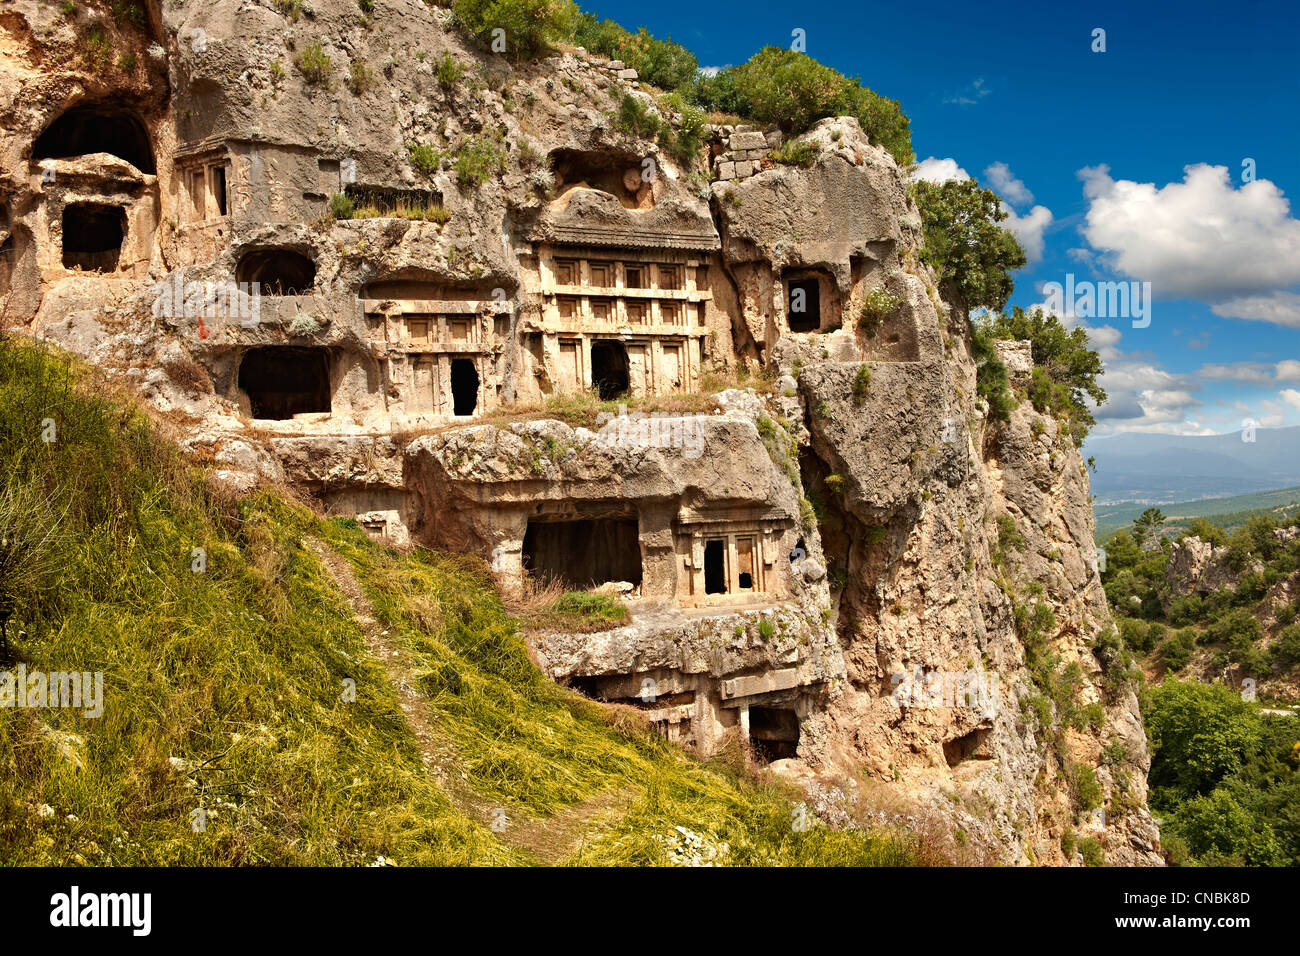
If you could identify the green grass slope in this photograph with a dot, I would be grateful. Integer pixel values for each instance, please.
(224, 686)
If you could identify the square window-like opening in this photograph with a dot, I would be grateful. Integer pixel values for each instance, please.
(282, 381)
(93, 237)
(633, 278)
(774, 733)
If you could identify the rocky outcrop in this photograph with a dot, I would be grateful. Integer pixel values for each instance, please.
(852, 567)
(1198, 567)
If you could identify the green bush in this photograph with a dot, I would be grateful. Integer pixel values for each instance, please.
(801, 153)
(1206, 530)
(360, 77)
(478, 161)
(426, 159)
(1216, 824)
(861, 384)
(290, 9)
(1199, 734)
(1176, 649)
(793, 91)
(877, 305)
(532, 27)
(1285, 651)
(663, 63)
(449, 71)
(685, 138)
(314, 65)
(637, 118)
(1237, 628)
(342, 206)
(1066, 366)
(1186, 610)
(1091, 851)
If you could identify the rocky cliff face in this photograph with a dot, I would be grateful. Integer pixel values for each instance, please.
(854, 568)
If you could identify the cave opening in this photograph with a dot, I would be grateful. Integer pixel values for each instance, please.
(97, 129)
(464, 386)
(774, 733)
(279, 271)
(584, 552)
(92, 236)
(283, 381)
(964, 747)
(715, 567)
(803, 304)
(609, 371)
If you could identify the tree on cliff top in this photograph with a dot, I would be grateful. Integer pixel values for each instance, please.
(964, 243)
(793, 91)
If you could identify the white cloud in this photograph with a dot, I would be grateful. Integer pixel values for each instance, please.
(1291, 397)
(1280, 307)
(1252, 373)
(1008, 186)
(969, 96)
(1105, 340)
(1288, 370)
(1029, 229)
(1199, 238)
(938, 171)
(711, 70)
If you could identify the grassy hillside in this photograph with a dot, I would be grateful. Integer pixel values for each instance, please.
(224, 686)
(1230, 513)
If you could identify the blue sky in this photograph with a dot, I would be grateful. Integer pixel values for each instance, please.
(1107, 161)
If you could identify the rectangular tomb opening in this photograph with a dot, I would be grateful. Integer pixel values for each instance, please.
(282, 381)
(774, 732)
(584, 552)
(92, 236)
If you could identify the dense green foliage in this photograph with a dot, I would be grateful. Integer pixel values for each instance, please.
(532, 27)
(1224, 777)
(1224, 774)
(792, 90)
(667, 65)
(682, 139)
(964, 243)
(1228, 621)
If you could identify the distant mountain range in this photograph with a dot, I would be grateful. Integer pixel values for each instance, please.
(1162, 469)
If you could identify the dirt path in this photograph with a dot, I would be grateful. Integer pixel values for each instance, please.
(548, 839)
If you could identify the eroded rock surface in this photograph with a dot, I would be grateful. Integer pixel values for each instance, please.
(842, 567)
